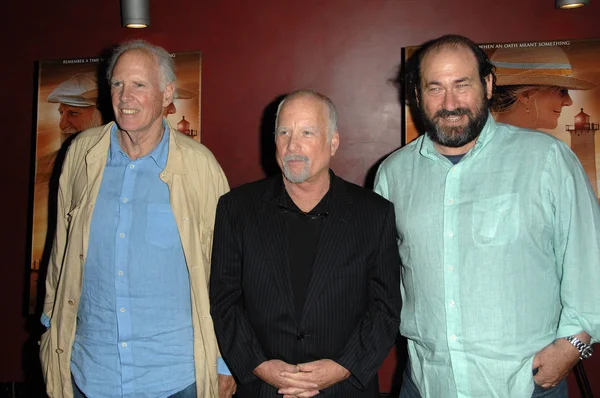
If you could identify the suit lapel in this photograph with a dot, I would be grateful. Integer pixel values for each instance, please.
(271, 226)
(333, 235)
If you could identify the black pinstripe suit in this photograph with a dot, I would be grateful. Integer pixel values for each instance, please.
(351, 313)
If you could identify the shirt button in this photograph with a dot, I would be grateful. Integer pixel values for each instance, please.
(71, 302)
(59, 351)
(450, 234)
(131, 166)
(125, 200)
(451, 201)
(451, 303)
(81, 256)
(122, 235)
(122, 309)
(451, 268)
(123, 345)
(453, 337)
(120, 273)
(300, 336)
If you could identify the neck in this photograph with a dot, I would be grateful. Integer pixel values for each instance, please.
(139, 144)
(518, 116)
(306, 195)
(446, 150)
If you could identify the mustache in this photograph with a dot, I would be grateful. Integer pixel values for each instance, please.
(455, 112)
(69, 131)
(288, 158)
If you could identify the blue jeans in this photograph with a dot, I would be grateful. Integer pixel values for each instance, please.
(409, 389)
(188, 392)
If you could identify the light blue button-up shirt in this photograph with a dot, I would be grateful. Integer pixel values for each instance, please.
(134, 335)
(500, 256)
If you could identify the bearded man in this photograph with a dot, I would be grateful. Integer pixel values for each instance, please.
(499, 237)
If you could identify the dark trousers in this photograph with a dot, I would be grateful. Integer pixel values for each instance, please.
(409, 389)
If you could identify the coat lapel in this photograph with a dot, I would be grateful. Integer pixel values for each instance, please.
(333, 235)
(271, 225)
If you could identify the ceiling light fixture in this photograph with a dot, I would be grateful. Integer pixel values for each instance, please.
(135, 13)
(566, 4)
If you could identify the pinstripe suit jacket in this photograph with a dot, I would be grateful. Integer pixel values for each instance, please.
(351, 312)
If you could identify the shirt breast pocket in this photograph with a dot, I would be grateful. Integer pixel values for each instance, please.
(161, 228)
(496, 220)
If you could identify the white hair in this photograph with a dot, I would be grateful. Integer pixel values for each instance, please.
(162, 57)
(332, 111)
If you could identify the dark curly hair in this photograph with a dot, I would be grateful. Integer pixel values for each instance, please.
(411, 79)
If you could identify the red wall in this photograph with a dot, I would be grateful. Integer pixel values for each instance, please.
(253, 51)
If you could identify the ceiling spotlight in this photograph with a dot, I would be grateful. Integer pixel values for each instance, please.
(135, 13)
(566, 4)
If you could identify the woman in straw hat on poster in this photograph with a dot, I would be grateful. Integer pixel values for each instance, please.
(533, 86)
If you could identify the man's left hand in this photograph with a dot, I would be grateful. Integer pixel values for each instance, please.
(323, 372)
(554, 362)
(227, 386)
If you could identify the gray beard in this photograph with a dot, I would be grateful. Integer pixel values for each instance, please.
(297, 177)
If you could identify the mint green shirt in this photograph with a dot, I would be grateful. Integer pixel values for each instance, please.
(500, 256)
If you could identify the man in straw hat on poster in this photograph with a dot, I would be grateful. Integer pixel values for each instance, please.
(76, 97)
(533, 86)
(499, 236)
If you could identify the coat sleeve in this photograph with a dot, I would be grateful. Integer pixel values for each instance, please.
(375, 334)
(60, 238)
(238, 343)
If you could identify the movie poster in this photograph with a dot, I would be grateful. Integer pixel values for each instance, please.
(552, 86)
(72, 96)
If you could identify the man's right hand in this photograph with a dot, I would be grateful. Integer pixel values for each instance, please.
(270, 372)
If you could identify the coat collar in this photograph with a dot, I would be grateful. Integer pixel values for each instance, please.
(334, 230)
(175, 164)
(338, 190)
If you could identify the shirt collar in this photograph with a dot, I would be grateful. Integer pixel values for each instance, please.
(321, 207)
(159, 154)
(489, 128)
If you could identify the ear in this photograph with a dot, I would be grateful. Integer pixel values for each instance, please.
(489, 86)
(525, 97)
(417, 99)
(335, 142)
(168, 94)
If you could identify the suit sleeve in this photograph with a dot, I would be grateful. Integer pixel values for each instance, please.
(376, 333)
(238, 343)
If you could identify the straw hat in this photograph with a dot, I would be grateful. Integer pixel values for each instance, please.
(75, 91)
(547, 66)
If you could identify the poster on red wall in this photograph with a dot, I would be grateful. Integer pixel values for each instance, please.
(552, 86)
(72, 95)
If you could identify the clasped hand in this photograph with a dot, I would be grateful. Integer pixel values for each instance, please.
(302, 380)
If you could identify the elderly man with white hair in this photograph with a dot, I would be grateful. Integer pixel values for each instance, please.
(126, 302)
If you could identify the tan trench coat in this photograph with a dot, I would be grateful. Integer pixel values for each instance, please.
(195, 182)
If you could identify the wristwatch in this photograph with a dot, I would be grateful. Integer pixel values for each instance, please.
(585, 350)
